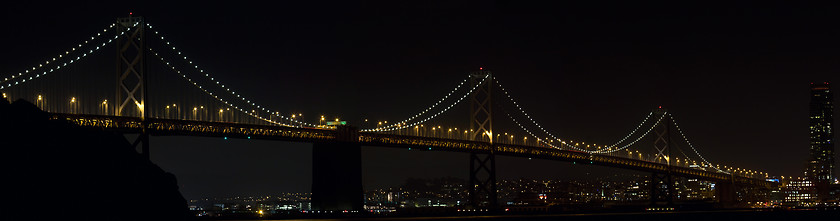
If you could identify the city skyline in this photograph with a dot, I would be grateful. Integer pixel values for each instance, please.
(733, 80)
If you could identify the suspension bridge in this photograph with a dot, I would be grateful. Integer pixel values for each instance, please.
(182, 99)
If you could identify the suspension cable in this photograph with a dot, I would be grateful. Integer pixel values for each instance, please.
(383, 128)
(634, 141)
(555, 137)
(211, 93)
(436, 114)
(532, 134)
(12, 82)
(57, 58)
(681, 151)
(692, 146)
(632, 132)
(227, 89)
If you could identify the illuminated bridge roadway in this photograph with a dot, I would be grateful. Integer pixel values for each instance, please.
(170, 127)
(84, 98)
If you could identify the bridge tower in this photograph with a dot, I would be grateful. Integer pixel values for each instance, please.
(482, 164)
(131, 74)
(662, 184)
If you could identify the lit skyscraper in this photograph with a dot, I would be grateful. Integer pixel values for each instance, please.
(820, 167)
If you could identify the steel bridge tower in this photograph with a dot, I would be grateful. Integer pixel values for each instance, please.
(482, 165)
(131, 74)
(662, 184)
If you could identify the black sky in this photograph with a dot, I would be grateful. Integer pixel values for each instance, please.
(735, 75)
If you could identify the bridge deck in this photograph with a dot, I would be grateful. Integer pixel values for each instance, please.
(170, 127)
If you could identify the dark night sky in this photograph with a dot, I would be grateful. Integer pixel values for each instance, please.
(735, 75)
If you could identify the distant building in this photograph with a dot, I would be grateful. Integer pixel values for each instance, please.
(820, 166)
(798, 192)
(695, 189)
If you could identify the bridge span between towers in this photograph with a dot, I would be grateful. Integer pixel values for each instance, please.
(171, 127)
(188, 101)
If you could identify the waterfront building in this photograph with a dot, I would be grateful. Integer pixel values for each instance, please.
(820, 165)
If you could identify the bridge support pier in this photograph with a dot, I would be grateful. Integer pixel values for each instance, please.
(337, 173)
(483, 181)
(661, 189)
(143, 142)
(726, 194)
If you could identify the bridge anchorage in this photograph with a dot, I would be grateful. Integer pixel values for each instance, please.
(337, 172)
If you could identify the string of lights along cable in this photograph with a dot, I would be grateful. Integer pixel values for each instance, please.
(436, 114)
(403, 122)
(634, 141)
(60, 56)
(692, 146)
(9, 82)
(510, 98)
(179, 71)
(599, 149)
(227, 89)
(184, 76)
(532, 134)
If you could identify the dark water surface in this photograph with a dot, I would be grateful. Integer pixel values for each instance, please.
(734, 215)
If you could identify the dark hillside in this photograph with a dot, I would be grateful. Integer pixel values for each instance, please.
(56, 170)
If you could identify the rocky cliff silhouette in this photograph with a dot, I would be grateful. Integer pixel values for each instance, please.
(55, 170)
